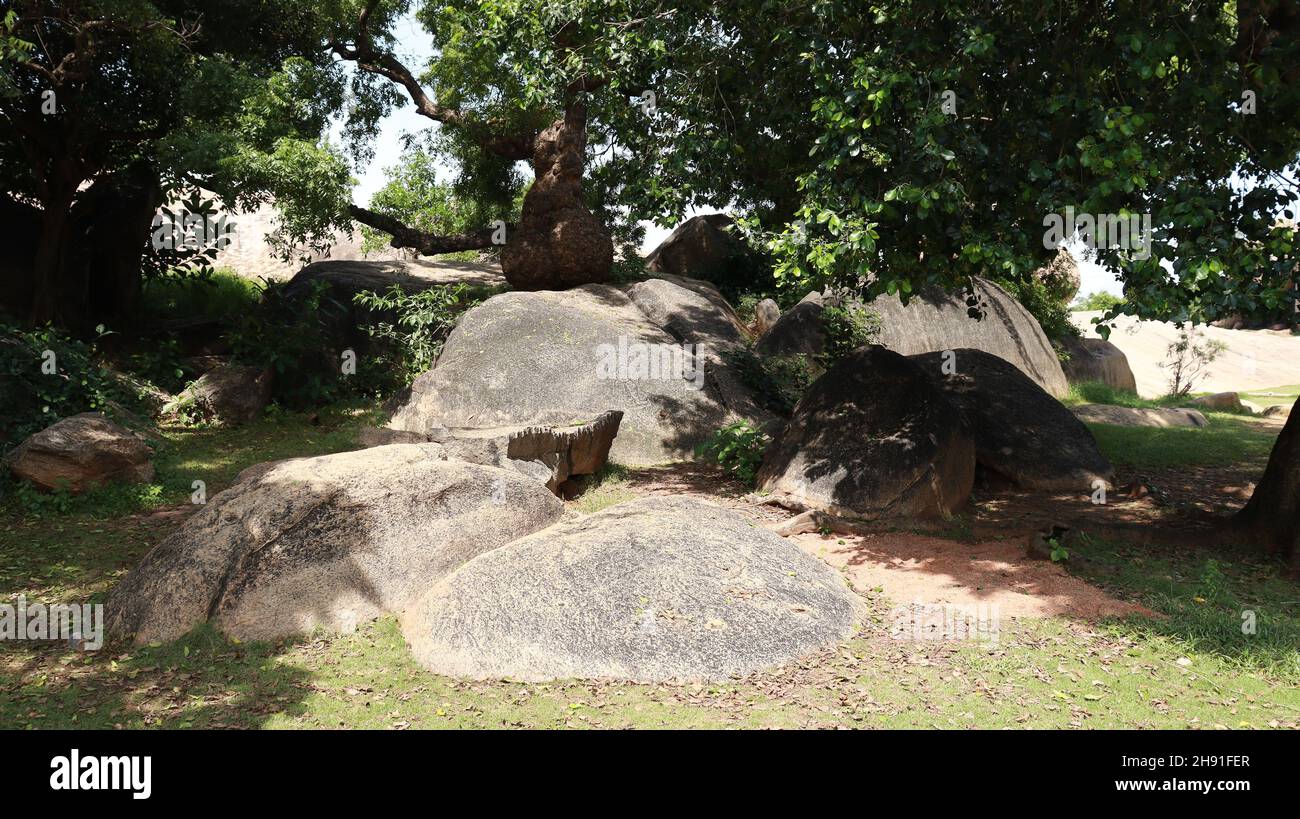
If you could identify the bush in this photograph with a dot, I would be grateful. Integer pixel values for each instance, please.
(215, 294)
(737, 448)
(408, 329)
(32, 398)
(1052, 314)
(846, 328)
(778, 382)
(290, 336)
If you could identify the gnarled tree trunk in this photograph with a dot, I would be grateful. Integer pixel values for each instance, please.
(1272, 516)
(559, 242)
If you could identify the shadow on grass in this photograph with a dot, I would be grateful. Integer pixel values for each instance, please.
(1237, 607)
(199, 681)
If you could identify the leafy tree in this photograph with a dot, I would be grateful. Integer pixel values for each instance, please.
(108, 104)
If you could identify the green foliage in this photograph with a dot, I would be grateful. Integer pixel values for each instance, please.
(408, 329)
(1187, 360)
(220, 295)
(777, 382)
(738, 449)
(1052, 314)
(31, 399)
(414, 196)
(846, 327)
(1101, 300)
(291, 336)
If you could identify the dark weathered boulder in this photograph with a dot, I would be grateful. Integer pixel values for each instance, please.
(1021, 432)
(227, 394)
(797, 332)
(326, 542)
(1097, 360)
(873, 437)
(80, 453)
(649, 590)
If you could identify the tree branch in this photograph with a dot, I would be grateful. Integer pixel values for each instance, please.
(426, 244)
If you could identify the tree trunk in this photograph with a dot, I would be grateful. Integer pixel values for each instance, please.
(1272, 517)
(559, 242)
(47, 272)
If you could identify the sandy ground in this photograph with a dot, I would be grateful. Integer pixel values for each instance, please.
(1254, 360)
(914, 568)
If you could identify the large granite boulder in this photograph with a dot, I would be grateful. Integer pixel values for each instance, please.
(227, 394)
(933, 321)
(559, 358)
(326, 542)
(1021, 433)
(873, 437)
(80, 453)
(649, 590)
(1097, 360)
(1220, 402)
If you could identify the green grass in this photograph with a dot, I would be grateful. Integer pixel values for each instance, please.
(1191, 667)
(1286, 394)
(1228, 440)
(607, 487)
(222, 295)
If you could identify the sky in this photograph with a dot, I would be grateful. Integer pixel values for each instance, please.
(414, 50)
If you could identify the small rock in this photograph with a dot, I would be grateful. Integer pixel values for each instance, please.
(81, 452)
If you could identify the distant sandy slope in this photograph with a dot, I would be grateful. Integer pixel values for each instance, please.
(1255, 359)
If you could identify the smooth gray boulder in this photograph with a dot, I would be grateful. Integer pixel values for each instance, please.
(561, 358)
(650, 590)
(766, 314)
(326, 542)
(1097, 360)
(80, 453)
(1021, 433)
(872, 438)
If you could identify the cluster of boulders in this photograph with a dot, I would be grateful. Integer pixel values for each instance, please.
(448, 516)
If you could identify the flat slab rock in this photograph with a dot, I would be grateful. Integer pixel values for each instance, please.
(326, 542)
(1139, 416)
(650, 590)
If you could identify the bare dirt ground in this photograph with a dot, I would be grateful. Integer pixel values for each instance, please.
(986, 564)
(1254, 360)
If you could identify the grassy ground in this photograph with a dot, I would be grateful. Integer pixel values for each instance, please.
(1190, 667)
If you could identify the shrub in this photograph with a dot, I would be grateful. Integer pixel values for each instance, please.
(32, 398)
(289, 335)
(408, 329)
(737, 448)
(215, 294)
(846, 328)
(1052, 314)
(1188, 361)
(778, 382)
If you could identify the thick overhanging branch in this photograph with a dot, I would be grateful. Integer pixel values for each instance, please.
(374, 61)
(426, 244)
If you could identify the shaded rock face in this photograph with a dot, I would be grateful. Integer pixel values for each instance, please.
(1095, 359)
(1139, 416)
(230, 393)
(559, 243)
(934, 322)
(325, 542)
(1021, 432)
(649, 590)
(872, 438)
(79, 453)
(797, 332)
(558, 359)
(697, 247)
